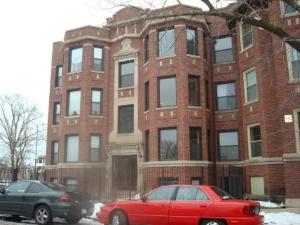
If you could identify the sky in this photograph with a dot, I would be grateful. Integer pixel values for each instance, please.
(28, 29)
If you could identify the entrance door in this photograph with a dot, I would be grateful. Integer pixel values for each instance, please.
(233, 183)
(124, 172)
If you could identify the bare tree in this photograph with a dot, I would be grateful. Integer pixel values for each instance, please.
(18, 121)
(253, 12)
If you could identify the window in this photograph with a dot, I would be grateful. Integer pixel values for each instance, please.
(226, 97)
(126, 74)
(207, 94)
(223, 50)
(75, 59)
(229, 145)
(251, 86)
(168, 181)
(96, 108)
(167, 92)
(195, 143)
(147, 96)
(125, 122)
(35, 188)
(190, 194)
(147, 145)
(18, 187)
(255, 141)
(98, 58)
(71, 184)
(288, 9)
(58, 76)
(55, 150)
(95, 145)
(166, 42)
(161, 194)
(72, 148)
(168, 144)
(293, 58)
(246, 35)
(297, 128)
(56, 114)
(192, 41)
(74, 98)
(257, 185)
(194, 91)
(146, 48)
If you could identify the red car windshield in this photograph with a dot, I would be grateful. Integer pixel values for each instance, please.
(223, 195)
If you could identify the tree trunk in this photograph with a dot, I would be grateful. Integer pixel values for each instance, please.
(14, 174)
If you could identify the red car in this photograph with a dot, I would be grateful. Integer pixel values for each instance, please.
(182, 205)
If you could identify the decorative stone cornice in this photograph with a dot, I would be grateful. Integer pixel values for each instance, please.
(178, 163)
(127, 51)
(291, 157)
(75, 165)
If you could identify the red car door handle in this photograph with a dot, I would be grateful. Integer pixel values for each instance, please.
(163, 206)
(203, 206)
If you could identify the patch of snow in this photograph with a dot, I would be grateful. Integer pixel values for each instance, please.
(97, 208)
(282, 218)
(270, 204)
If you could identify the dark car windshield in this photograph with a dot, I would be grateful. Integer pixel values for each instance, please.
(54, 187)
(221, 193)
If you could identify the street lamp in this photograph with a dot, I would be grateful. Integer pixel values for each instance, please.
(36, 148)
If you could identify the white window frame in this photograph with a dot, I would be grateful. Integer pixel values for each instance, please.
(249, 141)
(297, 130)
(245, 85)
(289, 63)
(288, 14)
(241, 38)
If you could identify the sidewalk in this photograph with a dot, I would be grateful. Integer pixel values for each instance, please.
(278, 210)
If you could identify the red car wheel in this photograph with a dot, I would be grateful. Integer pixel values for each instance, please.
(118, 218)
(212, 222)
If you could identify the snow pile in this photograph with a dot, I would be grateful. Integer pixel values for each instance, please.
(270, 204)
(282, 218)
(97, 208)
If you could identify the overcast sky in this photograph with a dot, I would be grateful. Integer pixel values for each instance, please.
(28, 29)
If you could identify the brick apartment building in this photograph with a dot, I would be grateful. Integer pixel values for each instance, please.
(138, 103)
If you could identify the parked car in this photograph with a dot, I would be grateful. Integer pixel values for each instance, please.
(182, 204)
(43, 201)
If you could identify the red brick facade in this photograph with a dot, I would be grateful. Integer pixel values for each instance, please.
(279, 165)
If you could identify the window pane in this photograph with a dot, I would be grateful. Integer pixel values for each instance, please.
(56, 114)
(191, 36)
(194, 92)
(19, 187)
(167, 92)
(295, 61)
(163, 193)
(72, 148)
(74, 98)
(147, 96)
(251, 86)
(96, 102)
(229, 146)
(186, 194)
(95, 147)
(226, 103)
(226, 89)
(55, 152)
(76, 59)
(168, 181)
(166, 42)
(289, 9)
(255, 139)
(126, 77)
(146, 48)
(226, 96)
(168, 144)
(125, 123)
(58, 78)
(195, 143)
(98, 51)
(223, 50)
(147, 145)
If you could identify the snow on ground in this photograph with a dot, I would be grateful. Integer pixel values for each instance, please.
(270, 204)
(282, 218)
(97, 208)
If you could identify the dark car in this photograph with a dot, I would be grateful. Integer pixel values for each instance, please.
(44, 201)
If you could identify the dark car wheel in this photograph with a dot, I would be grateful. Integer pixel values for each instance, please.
(118, 218)
(72, 219)
(42, 215)
(212, 222)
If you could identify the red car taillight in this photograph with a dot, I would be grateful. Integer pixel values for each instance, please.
(251, 210)
(65, 198)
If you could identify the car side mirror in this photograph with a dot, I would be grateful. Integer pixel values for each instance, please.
(2, 190)
(144, 198)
